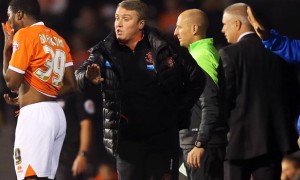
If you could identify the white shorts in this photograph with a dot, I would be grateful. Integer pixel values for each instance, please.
(40, 133)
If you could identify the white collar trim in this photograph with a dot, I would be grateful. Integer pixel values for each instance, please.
(244, 34)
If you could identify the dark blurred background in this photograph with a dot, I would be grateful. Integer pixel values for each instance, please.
(84, 23)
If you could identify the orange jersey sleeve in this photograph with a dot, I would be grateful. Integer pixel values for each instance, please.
(21, 55)
(42, 56)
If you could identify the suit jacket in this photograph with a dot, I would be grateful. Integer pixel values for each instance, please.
(258, 101)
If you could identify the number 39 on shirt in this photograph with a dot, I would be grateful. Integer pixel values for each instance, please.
(55, 66)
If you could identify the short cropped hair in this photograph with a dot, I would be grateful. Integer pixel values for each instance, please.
(29, 7)
(135, 5)
(239, 11)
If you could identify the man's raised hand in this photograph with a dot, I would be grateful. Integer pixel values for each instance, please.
(93, 74)
(259, 28)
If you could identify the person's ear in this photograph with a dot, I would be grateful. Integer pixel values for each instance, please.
(195, 29)
(238, 24)
(141, 24)
(19, 15)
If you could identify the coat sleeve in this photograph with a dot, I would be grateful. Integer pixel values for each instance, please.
(209, 103)
(194, 81)
(286, 48)
(230, 80)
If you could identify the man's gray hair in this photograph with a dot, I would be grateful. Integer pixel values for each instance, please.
(135, 5)
(239, 11)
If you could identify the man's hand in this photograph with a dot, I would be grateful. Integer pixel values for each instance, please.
(194, 157)
(93, 74)
(10, 100)
(79, 165)
(8, 37)
(259, 28)
(8, 46)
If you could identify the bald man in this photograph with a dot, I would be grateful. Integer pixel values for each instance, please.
(203, 144)
(258, 101)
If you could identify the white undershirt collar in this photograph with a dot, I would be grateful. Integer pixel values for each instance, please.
(244, 34)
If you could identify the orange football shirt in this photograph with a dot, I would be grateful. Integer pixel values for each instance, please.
(42, 56)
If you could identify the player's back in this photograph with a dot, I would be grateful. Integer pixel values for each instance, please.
(41, 55)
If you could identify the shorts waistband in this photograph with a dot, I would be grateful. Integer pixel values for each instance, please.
(44, 103)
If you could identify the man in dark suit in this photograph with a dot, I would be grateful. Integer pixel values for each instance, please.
(259, 115)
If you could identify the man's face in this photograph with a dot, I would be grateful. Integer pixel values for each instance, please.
(229, 29)
(183, 31)
(127, 26)
(12, 20)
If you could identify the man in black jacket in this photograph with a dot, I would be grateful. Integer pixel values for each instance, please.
(260, 117)
(148, 90)
(204, 143)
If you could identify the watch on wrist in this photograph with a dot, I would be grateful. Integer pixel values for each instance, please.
(83, 153)
(199, 144)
